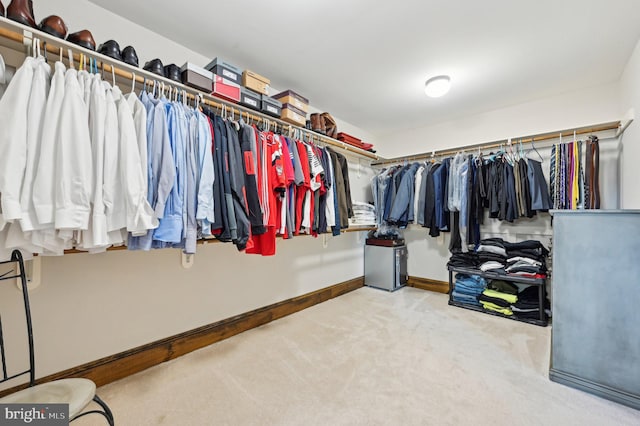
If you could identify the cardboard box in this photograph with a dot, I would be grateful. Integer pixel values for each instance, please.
(225, 89)
(225, 70)
(256, 82)
(271, 106)
(197, 77)
(250, 99)
(292, 98)
(293, 115)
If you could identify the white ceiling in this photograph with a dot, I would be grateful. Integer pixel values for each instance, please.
(367, 64)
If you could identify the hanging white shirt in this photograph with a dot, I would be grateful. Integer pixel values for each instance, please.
(139, 216)
(19, 235)
(140, 121)
(95, 238)
(13, 139)
(115, 209)
(74, 171)
(43, 185)
(35, 122)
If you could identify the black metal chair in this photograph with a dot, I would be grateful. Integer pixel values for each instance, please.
(78, 393)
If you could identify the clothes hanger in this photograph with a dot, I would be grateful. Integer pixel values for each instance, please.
(533, 145)
(133, 82)
(70, 54)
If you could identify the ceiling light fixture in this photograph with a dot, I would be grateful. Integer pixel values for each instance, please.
(437, 86)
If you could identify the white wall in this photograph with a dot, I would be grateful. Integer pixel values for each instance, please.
(575, 109)
(630, 102)
(91, 306)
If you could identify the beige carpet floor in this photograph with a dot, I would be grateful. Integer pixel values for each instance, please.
(366, 358)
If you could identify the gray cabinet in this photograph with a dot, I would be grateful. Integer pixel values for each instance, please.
(596, 303)
(385, 267)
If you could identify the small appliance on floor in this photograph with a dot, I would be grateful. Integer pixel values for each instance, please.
(385, 264)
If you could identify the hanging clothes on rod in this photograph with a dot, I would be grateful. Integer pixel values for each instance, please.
(574, 174)
(454, 194)
(87, 167)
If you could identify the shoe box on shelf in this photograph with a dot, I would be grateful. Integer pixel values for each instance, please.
(250, 99)
(293, 115)
(225, 89)
(292, 98)
(270, 106)
(294, 107)
(225, 70)
(256, 82)
(197, 77)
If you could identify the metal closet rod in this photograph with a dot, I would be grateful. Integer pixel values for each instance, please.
(53, 46)
(615, 125)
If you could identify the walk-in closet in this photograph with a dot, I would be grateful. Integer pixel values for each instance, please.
(347, 213)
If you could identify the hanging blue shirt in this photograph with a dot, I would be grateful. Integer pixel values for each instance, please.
(171, 224)
(161, 165)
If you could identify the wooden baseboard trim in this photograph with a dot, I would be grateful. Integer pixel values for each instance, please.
(123, 364)
(428, 284)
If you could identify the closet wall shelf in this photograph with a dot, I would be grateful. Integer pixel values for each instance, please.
(22, 35)
(548, 137)
(214, 241)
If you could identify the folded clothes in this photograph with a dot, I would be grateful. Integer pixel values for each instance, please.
(529, 275)
(484, 256)
(491, 307)
(523, 267)
(464, 260)
(529, 293)
(468, 291)
(523, 245)
(536, 254)
(482, 298)
(491, 265)
(503, 287)
(527, 260)
(510, 298)
(462, 298)
(497, 242)
(491, 249)
(471, 280)
(528, 315)
(525, 306)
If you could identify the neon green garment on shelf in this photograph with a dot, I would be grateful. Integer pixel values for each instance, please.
(504, 296)
(491, 307)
